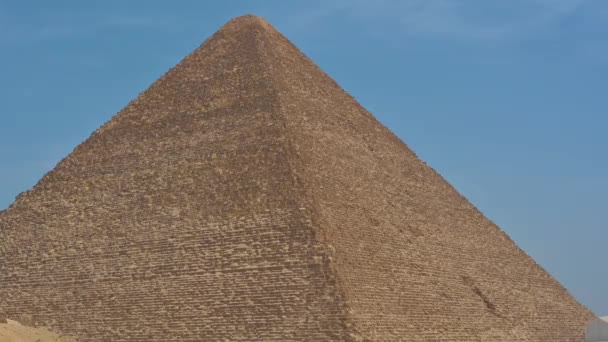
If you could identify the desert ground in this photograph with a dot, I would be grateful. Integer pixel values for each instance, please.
(13, 331)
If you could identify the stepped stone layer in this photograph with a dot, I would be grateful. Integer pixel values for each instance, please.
(246, 197)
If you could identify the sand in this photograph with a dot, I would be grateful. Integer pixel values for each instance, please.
(13, 331)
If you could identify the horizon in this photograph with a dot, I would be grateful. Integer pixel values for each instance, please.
(467, 89)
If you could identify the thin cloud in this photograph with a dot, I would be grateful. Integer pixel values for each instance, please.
(448, 18)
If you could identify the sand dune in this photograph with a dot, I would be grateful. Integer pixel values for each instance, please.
(13, 331)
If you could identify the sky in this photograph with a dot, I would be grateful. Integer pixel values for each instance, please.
(506, 99)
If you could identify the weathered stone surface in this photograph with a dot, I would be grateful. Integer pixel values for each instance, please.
(26, 320)
(246, 197)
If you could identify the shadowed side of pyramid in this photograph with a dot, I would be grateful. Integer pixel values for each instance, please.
(245, 196)
(178, 219)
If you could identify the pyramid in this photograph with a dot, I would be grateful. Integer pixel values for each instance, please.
(245, 196)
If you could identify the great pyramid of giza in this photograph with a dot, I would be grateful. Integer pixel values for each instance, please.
(246, 197)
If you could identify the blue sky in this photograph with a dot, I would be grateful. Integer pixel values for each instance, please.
(506, 99)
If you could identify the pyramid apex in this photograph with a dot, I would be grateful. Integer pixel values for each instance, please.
(249, 16)
(248, 20)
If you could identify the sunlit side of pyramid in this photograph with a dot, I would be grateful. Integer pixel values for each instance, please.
(246, 197)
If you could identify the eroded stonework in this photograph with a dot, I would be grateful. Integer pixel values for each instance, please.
(246, 197)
